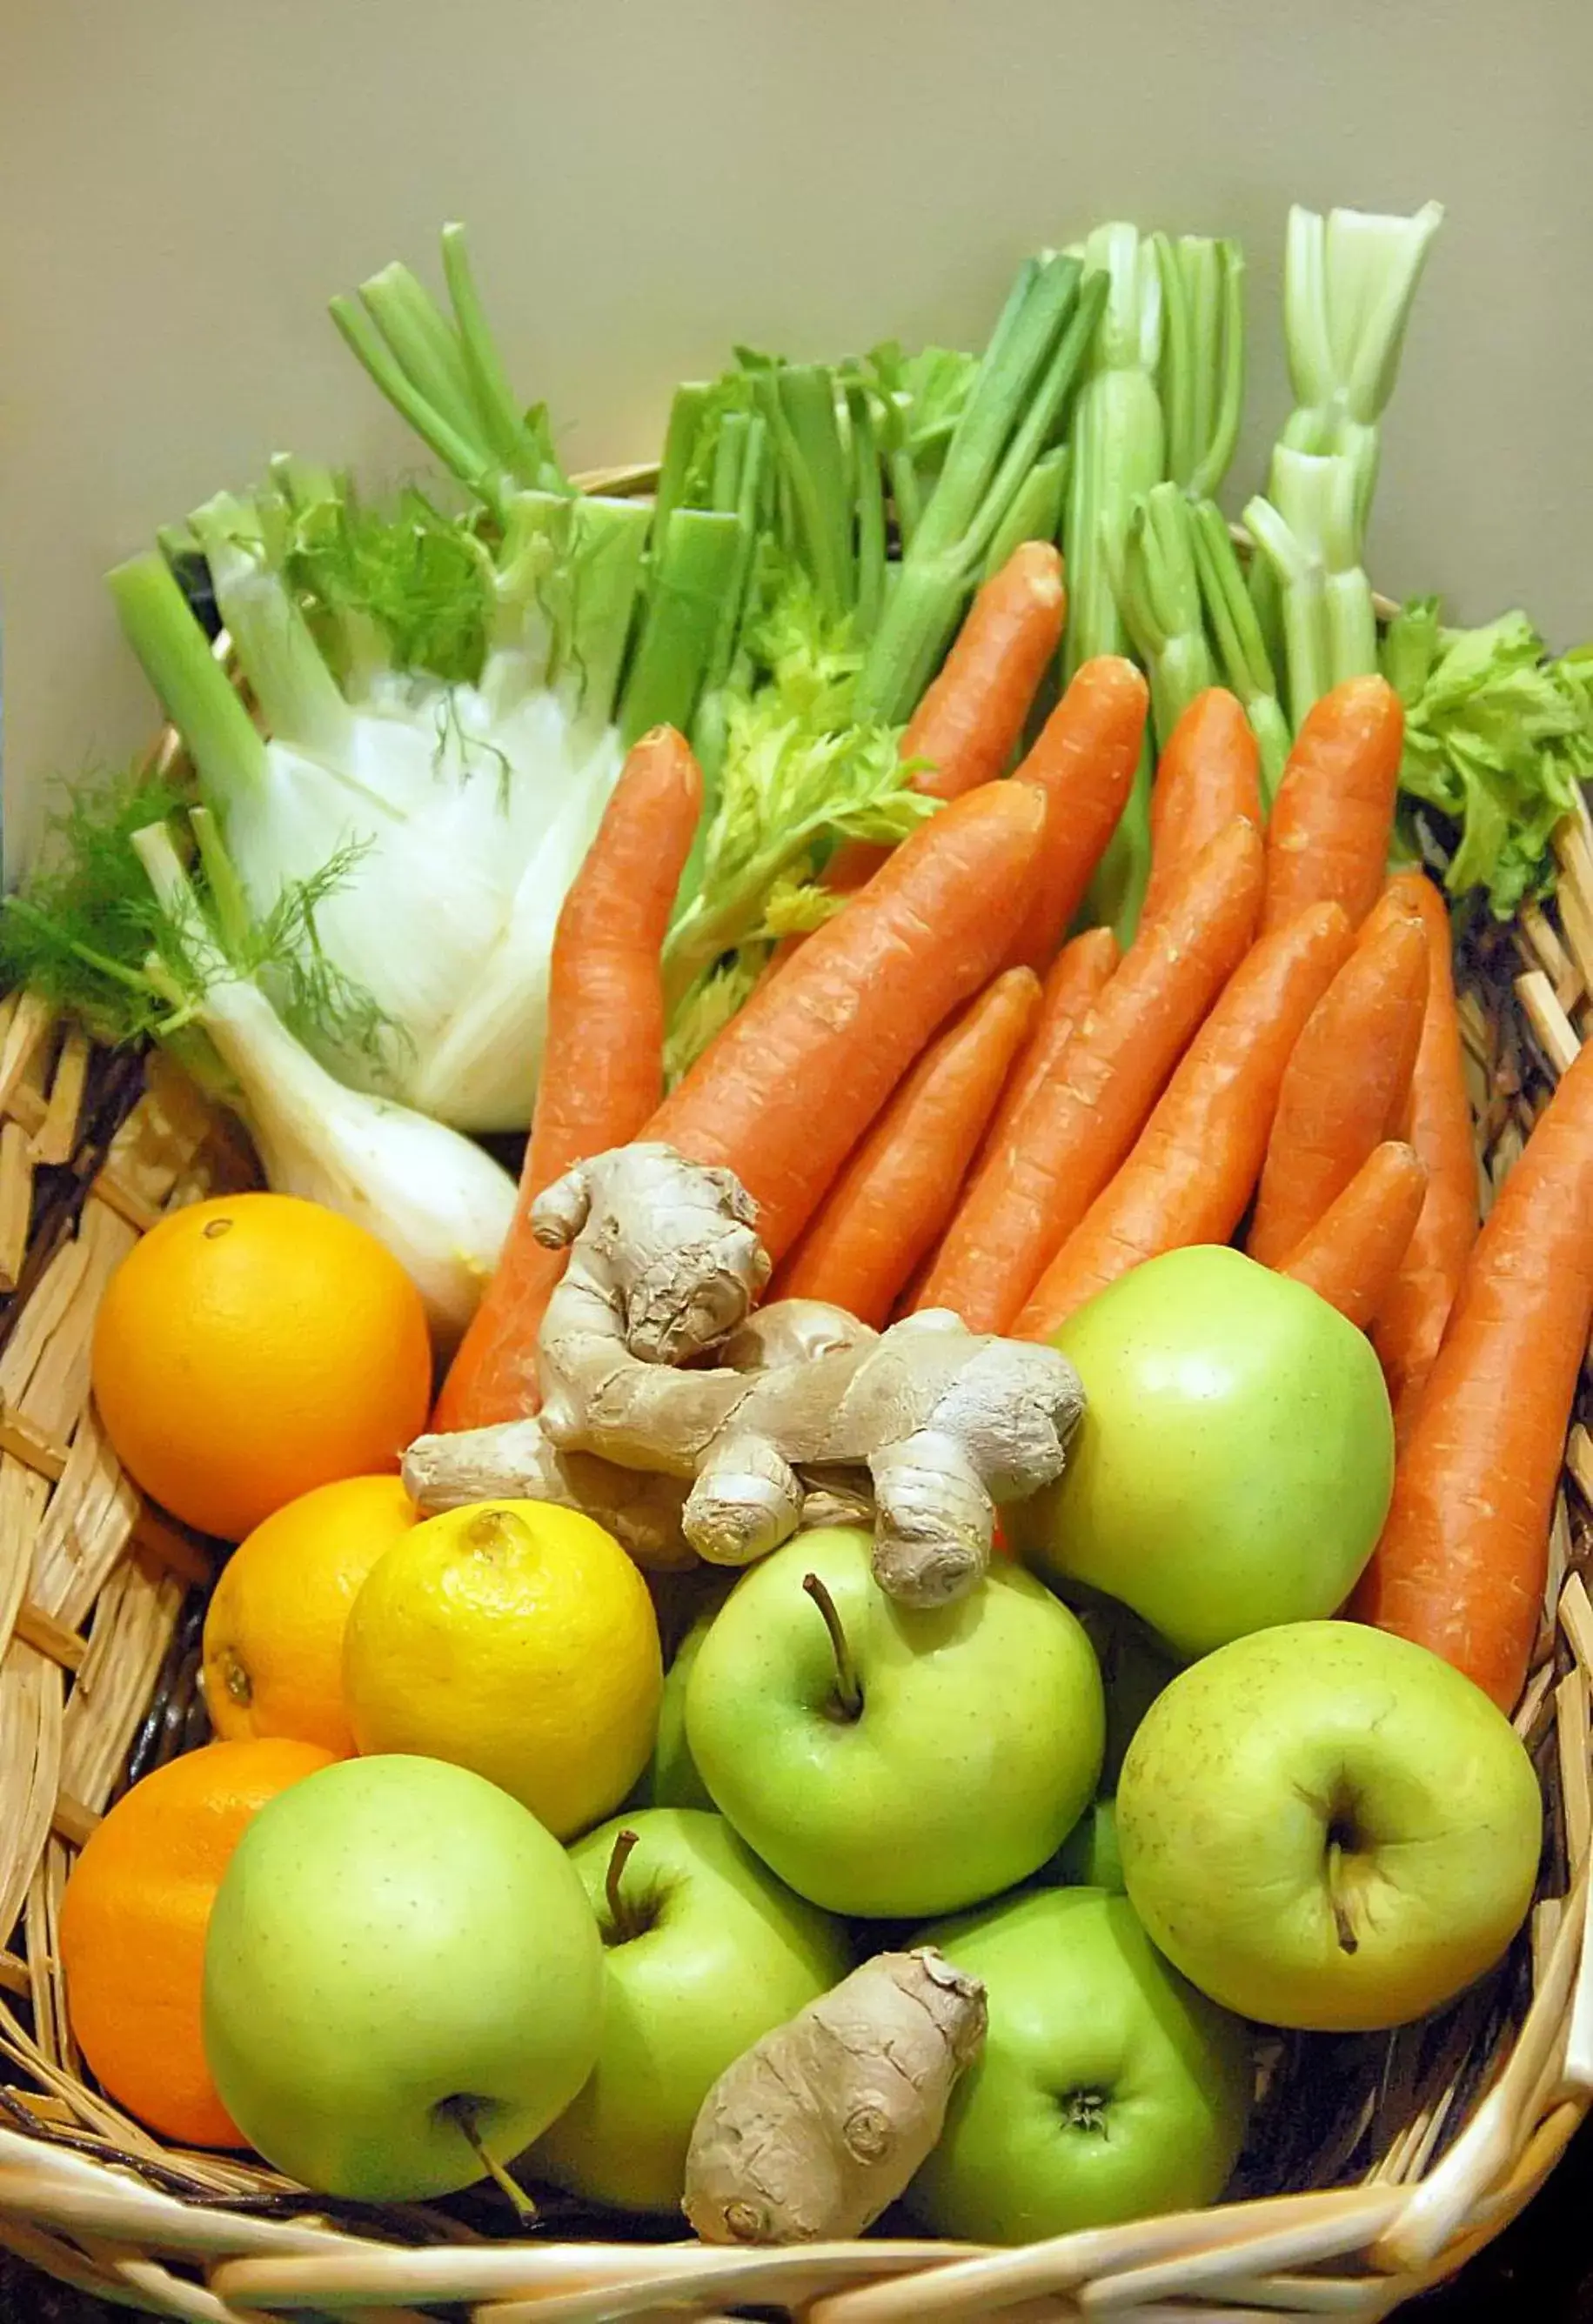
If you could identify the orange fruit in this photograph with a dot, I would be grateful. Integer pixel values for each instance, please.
(133, 1926)
(274, 1631)
(251, 1347)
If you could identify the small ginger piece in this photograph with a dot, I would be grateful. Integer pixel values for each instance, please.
(817, 2127)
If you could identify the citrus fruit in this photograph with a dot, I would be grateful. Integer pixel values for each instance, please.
(133, 1926)
(516, 1639)
(273, 1632)
(251, 1348)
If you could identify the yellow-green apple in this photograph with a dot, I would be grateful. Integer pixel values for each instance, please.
(885, 1761)
(706, 1953)
(1109, 2088)
(669, 1779)
(403, 1978)
(1327, 1827)
(1234, 1464)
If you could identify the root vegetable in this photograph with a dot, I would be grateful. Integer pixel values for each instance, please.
(664, 1263)
(819, 2126)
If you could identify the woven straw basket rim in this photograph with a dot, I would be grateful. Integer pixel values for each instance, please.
(1441, 2135)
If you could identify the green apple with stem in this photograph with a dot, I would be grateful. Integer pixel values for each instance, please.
(1235, 1461)
(885, 1761)
(706, 1952)
(1107, 2090)
(1327, 1827)
(403, 1980)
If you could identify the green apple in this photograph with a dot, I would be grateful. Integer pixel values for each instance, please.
(1107, 2090)
(669, 1779)
(706, 1953)
(888, 1762)
(1135, 1668)
(1091, 1857)
(1234, 1464)
(397, 1950)
(1327, 1827)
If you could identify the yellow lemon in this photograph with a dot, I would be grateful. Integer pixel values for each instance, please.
(516, 1639)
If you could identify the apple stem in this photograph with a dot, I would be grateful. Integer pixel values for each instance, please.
(623, 1842)
(1348, 1942)
(464, 2112)
(848, 1693)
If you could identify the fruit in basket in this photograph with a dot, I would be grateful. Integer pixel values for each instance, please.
(706, 1952)
(275, 1626)
(1108, 2087)
(1327, 1827)
(1091, 1857)
(133, 1924)
(1233, 1465)
(669, 1779)
(901, 1761)
(515, 1638)
(403, 1979)
(251, 1348)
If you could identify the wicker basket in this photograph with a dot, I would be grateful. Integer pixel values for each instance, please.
(1377, 2165)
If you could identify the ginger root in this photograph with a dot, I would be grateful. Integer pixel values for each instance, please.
(516, 1460)
(819, 2126)
(665, 1264)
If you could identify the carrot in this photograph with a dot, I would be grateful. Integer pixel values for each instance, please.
(971, 717)
(1209, 772)
(1437, 1121)
(1077, 977)
(1079, 1124)
(602, 1070)
(1463, 1560)
(1351, 1256)
(1190, 1175)
(1328, 837)
(1346, 1082)
(1084, 760)
(783, 1092)
(900, 1188)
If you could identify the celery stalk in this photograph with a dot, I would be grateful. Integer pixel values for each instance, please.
(1161, 605)
(221, 737)
(1202, 374)
(1241, 649)
(1036, 512)
(798, 401)
(689, 579)
(1309, 534)
(687, 413)
(1119, 452)
(1349, 282)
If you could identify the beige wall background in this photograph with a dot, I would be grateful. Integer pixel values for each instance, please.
(184, 182)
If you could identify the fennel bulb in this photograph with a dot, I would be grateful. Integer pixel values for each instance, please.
(440, 1205)
(461, 805)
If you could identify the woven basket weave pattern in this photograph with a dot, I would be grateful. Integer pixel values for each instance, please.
(1403, 2153)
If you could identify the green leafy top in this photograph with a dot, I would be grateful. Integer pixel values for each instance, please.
(1497, 738)
(88, 931)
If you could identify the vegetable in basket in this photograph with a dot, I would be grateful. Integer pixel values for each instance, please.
(183, 961)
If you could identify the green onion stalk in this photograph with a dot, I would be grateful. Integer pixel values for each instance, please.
(1349, 282)
(1119, 452)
